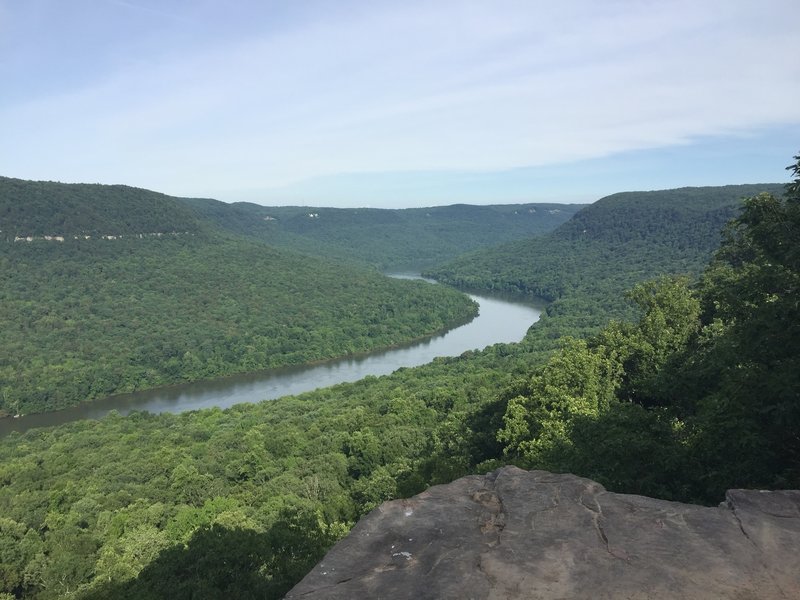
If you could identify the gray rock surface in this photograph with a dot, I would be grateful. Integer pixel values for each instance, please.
(518, 534)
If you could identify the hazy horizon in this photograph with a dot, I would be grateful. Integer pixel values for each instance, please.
(399, 105)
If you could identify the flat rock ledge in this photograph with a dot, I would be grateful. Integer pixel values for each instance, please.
(519, 534)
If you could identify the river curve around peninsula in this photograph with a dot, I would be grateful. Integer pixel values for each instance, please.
(501, 320)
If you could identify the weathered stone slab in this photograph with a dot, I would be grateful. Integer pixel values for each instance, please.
(514, 534)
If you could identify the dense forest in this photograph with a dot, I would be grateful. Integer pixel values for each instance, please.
(89, 318)
(696, 392)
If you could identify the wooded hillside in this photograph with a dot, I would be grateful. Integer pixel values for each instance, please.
(98, 302)
(585, 265)
(39, 208)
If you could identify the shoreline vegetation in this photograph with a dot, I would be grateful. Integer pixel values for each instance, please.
(353, 355)
(87, 320)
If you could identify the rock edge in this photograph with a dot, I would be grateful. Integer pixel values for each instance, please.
(514, 534)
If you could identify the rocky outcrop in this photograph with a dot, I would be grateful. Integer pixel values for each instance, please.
(517, 534)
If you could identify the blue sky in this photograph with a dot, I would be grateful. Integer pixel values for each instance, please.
(392, 104)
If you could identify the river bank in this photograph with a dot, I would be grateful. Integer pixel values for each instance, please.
(500, 320)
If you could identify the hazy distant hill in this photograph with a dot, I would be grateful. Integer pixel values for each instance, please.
(387, 238)
(585, 264)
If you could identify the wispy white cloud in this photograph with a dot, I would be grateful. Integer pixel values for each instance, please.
(376, 87)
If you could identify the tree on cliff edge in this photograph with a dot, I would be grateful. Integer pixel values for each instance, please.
(702, 394)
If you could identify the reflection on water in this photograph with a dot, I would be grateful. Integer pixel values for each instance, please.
(500, 320)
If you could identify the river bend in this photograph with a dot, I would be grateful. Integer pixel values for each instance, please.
(501, 319)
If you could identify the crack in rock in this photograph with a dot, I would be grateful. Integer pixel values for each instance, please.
(732, 506)
(597, 514)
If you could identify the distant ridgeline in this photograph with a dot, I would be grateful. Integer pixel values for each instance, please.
(386, 238)
(584, 265)
(397, 239)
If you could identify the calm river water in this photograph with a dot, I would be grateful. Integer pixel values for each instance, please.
(501, 319)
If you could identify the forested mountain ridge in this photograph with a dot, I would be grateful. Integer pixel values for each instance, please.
(680, 216)
(383, 238)
(585, 265)
(46, 208)
(109, 289)
(386, 238)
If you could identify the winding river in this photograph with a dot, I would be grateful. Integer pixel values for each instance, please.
(501, 319)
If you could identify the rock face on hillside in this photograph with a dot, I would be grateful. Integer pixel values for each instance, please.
(517, 534)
